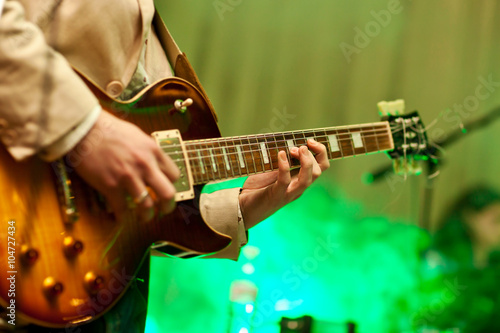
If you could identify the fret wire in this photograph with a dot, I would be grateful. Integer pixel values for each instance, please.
(341, 148)
(236, 157)
(322, 138)
(293, 160)
(192, 163)
(202, 165)
(220, 159)
(364, 142)
(235, 154)
(270, 152)
(351, 141)
(210, 162)
(376, 139)
(327, 145)
(251, 156)
(229, 157)
(281, 147)
(259, 152)
(201, 157)
(225, 160)
(244, 157)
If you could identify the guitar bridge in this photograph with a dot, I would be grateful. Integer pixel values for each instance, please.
(171, 143)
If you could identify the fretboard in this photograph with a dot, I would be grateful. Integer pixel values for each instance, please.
(231, 157)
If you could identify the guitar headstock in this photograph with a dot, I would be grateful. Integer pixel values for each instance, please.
(410, 139)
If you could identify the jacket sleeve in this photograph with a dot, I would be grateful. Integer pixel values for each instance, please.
(41, 98)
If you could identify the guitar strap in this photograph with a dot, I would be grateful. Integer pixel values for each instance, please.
(178, 60)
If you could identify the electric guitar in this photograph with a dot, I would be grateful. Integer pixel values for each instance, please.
(65, 260)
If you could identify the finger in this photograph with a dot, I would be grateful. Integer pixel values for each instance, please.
(304, 178)
(284, 177)
(140, 198)
(162, 187)
(316, 169)
(167, 165)
(321, 153)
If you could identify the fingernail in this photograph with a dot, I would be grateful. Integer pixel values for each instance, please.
(312, 141)
(304, 149)
(294, 150)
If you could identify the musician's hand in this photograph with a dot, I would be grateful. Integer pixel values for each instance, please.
(264, 194)
(121, 161)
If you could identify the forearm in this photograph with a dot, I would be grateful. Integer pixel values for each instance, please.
(42, 98)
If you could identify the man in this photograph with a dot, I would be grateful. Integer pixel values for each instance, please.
(47, 110)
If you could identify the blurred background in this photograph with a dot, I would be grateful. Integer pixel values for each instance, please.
(355, 257)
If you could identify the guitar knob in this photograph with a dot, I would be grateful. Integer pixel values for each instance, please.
(93, 282)
(72, 247)
(28, 255)
(52, 287)
(182, 106)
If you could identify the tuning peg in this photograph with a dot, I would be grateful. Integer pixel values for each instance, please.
(391, 108)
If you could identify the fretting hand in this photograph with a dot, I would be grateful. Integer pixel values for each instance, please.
(264, 194)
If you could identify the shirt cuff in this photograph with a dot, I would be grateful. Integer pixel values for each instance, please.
(68, 141)
(221, 211)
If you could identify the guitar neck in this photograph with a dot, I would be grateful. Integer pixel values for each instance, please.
(231, 157)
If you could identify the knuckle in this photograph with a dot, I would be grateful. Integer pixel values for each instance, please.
(111, 183)
(125, 176)
(142, 162)
(308, 163)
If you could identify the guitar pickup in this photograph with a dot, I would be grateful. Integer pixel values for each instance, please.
(171, 143)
